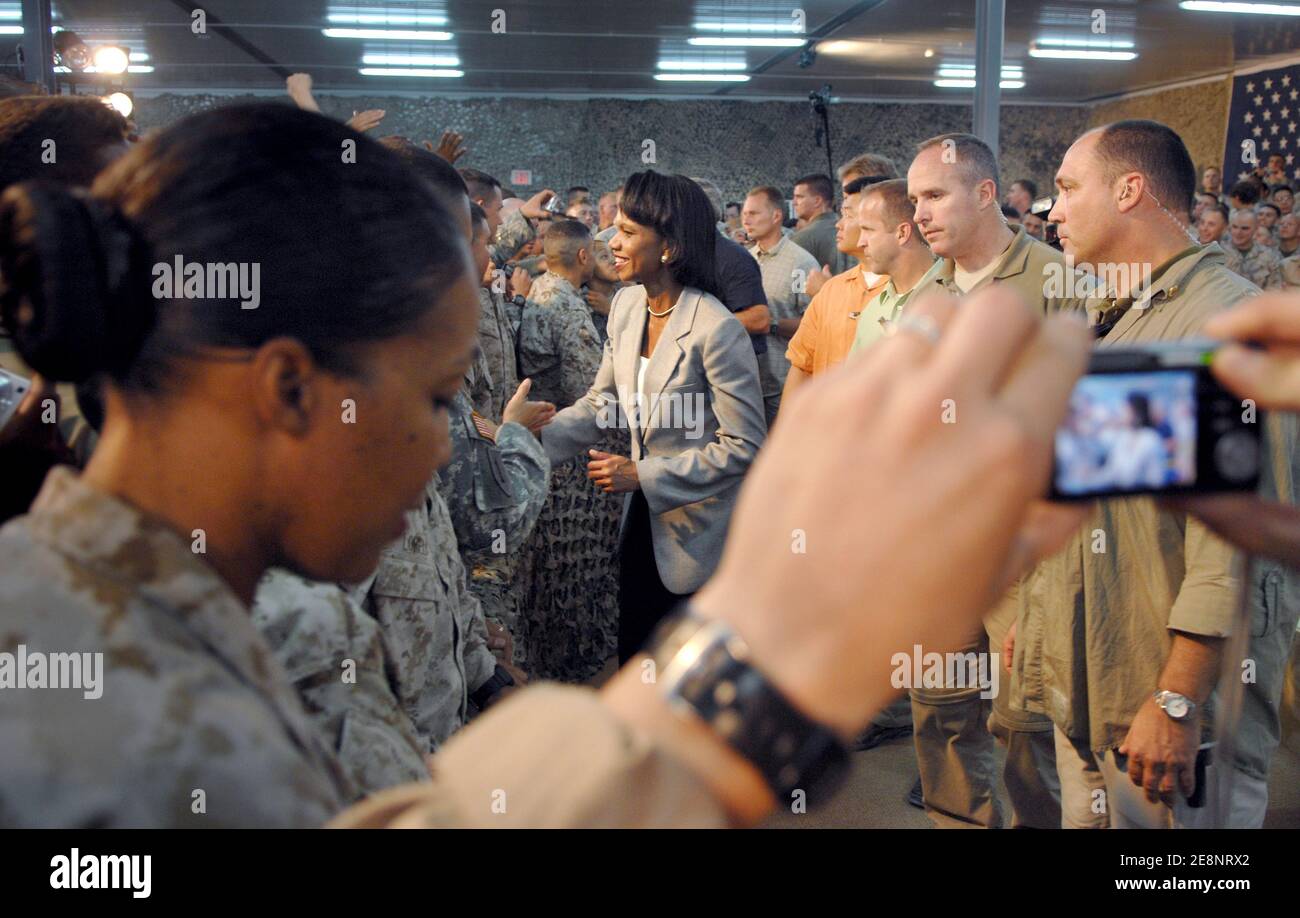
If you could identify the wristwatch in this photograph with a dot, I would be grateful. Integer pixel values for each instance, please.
(774, 327)
(703, 671)
(1178, 707)
(519, 299)
(483, 695)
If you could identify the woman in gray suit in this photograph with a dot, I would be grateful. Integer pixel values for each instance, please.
(679, 371)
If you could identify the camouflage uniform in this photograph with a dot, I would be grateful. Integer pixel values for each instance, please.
(433, 630)
(513, 234)
(1260, 265)
(193, 698)
(492, 379)
(493, 488)
(532, 264)
(568, 573)
(332, 651)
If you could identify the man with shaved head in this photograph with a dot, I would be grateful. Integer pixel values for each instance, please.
(1123, 629)
(1259, 264)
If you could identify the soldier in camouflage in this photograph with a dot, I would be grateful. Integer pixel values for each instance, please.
(1259, 264)
(333, 652)
(196, 722)
(568, 576)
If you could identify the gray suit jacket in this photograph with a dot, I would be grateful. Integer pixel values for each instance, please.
(693, 435)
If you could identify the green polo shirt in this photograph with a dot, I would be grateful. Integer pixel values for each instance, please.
(879, 314)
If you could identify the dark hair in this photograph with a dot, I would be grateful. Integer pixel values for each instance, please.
(480, 184)
(738, 205)
(1141, 406)
(972, 154)
(1028, 185)
(564, 240)
(1010, 212)
(1274, 189)
(575, 191)
(1246, 191)
(1156, 151)
(863, 181)
(1221, 210)
(262, 184)
(81, 128)
(429, 166)
(679, 211)
(820, 185)
(477, 215)
(1273, 207)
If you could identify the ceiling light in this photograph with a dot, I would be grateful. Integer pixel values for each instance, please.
(393, 34)
(970, 84)
(410, 72)
(362, 16)
(747, 42)
(121, 103)
(703, 77)
(702, 65)
(111, 59)
(779, 25)
(1101, 44)
(11, 30)
(1263, 9)
(968, 73)
(929, 52)
(410, 60)
(1082, 54)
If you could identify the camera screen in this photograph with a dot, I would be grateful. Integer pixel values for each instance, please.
(1128, 432)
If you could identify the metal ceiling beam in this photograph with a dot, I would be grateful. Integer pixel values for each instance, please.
(235, 38)
(990, 26)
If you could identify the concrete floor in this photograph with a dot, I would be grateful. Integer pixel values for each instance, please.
(872, 797)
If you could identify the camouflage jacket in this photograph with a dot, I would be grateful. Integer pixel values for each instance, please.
(432, 627)
(333, 652)
(513, 234)
(195, 722)
(558, 346)
(1260, 265)
(492, 379)
(492, 488)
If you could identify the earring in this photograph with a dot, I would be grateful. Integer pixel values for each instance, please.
(664, 258)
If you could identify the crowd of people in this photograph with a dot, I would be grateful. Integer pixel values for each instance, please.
(697, 454)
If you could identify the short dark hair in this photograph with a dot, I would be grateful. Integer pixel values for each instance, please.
(735, 204)
(772, 193)
(477, 215)
(479, 183)
(973, 155)
(1246, 191)
(679, 211)
(431, 167)
(259, 183)
(863, 181)
(1156, 151)
(898, 206)
(1273, 207)
(81, 128)
(1221, 210)
(820, 185)
(1274, 189)
(575, 191)
(1028, 185)
(564, 240)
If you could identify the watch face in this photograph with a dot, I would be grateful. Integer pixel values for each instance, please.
(1177, 707)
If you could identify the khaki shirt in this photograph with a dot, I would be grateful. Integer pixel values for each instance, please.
(1035, 270)
(197, 723)
(1259, 264)
(1096, 619)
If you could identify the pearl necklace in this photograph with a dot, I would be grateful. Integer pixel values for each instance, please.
(659, 315)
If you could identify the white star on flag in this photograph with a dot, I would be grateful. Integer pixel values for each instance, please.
(1250, 87)
(1268, 84)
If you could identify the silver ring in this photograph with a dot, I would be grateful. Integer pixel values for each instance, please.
(920, 324)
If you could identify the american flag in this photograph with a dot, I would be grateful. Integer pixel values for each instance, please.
(1262, 121)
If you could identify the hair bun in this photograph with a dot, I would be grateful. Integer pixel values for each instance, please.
(74, 290)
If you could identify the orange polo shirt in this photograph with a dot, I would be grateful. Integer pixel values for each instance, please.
(830, 322)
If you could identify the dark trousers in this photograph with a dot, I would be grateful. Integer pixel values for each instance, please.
(643, 599)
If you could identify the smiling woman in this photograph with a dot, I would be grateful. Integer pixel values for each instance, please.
(295, 434)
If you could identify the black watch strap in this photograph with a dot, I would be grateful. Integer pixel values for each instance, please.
(484, 694)
(703, 670)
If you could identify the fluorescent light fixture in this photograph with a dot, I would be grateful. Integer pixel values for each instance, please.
(970, 84)
(363, 16)
(1107, 44)
(11, 30)
(703, 77)
(1262, 9)
(725, 42)
(410, 60)
(392, 34)
(11, 13)
(968, 73)
(702, 65)
(779, 25)
(410, 72)
(1082, 54)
